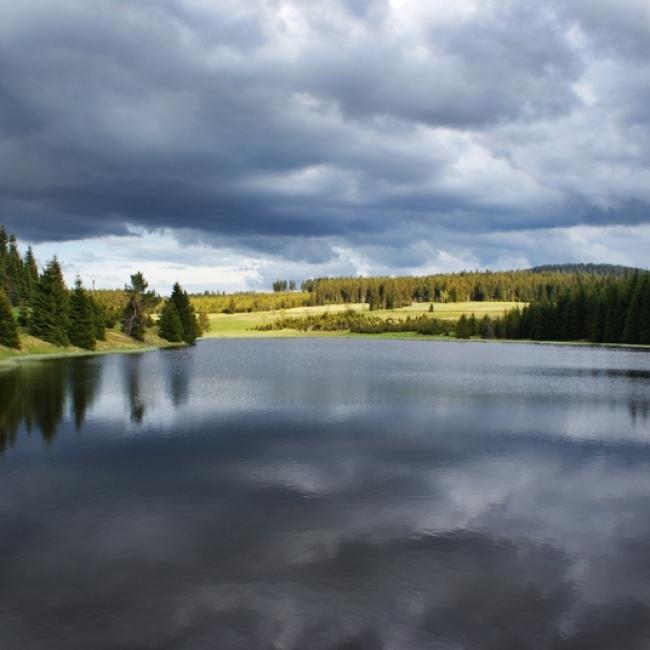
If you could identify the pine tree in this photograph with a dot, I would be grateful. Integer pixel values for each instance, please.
(190, 331)
(49, 318)
(8, 326)
(81, 324)
(170, 326)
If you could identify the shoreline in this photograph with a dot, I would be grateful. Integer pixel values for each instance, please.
(150, 344)
(408, 336)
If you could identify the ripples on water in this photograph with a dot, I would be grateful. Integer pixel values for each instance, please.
(327, 494)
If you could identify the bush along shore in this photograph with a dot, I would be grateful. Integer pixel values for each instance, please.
(40, 315)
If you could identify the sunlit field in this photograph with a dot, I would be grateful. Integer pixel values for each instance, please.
(238, 325)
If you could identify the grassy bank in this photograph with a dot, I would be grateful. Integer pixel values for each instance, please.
(116, 341)
(244, 324)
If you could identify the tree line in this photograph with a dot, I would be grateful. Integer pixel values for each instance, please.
(247, 301)
(532, 285)
(501, 286)
(614, 310)
(48, 310)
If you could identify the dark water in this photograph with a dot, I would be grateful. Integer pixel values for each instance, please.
(308, 494)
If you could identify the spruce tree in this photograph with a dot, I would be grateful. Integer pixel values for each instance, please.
(170, 326)
(42, 319)
(49, 317)
(81, 324)
(8, 326)
(190, 331)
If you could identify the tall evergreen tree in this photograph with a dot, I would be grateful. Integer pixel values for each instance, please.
(170, 326)
(81, 324)
(50, 305)
(185, 311)
(8, 326)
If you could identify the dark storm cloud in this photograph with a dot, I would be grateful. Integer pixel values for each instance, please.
(351, 123)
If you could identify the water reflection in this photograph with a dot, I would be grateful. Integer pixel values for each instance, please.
(314, 495)
(40, 395)
(36, 395)
(178, 378)
(132, 367)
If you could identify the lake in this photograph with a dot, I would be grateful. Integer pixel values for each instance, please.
(327, 494)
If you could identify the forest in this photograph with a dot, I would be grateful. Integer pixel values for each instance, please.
(530, 285)
(611, 310)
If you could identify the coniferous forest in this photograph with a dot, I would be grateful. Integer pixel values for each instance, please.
(612, 310)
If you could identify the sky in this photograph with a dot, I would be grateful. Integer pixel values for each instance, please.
(225, 144)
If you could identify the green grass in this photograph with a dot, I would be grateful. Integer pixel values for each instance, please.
(116, 341)
(243, 325)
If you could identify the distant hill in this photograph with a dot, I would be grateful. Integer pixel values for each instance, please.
(612, 270)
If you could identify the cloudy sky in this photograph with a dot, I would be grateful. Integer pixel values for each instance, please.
(225, 143)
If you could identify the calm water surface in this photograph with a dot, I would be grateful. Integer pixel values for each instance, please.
(325, 493)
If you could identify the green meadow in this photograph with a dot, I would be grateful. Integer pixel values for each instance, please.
(243, 324)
